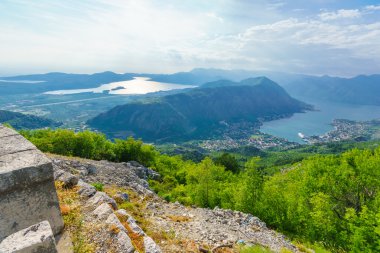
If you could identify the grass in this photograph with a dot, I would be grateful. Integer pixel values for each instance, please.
(72, 216)
(98, 186)
(137, 240)
(177, 218)
(310, 248)
(255, 249)
(135, 207)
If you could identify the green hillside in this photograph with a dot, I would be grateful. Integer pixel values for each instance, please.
(24, 121)
(201, 112)
(329, 201)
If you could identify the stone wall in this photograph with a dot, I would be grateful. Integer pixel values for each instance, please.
(27, 191)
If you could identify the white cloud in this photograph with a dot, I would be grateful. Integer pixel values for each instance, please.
(215, 16)
(373, 7)
(310, 45)
(148, 36)
(340, 14)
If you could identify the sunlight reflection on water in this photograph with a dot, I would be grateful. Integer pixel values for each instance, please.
(139, 85)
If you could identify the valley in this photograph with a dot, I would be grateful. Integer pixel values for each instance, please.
(74, 108)
(223, 145)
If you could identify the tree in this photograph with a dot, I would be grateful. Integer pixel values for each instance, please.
(249, 193)
(229, 162)
(205, 182)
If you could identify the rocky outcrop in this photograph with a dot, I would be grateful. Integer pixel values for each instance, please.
(111, 227)
(27, 191)
(192, 228)
(130, 174)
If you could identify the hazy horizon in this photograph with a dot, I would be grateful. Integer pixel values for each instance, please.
(185, 71)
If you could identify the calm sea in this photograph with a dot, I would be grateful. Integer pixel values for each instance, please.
(318, 122)
(139, 85)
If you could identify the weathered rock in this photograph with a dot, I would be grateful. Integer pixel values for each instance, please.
(64, 243)
(85, 169)
(68, 179)
(37, 238)
(122, 215)
(254, 221)
(57, 172)
(121, 197)
(135, 228)
(101, 197)
(150, 246)
(103, 211)
(105, 172)
(143, 172)
(113, 220)
(124, 243)
(91, 169)
(86, 190)
(27, 191)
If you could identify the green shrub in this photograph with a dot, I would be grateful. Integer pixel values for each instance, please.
(98, 186)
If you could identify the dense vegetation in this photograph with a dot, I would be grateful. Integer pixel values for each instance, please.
(332, 200)
(22, 121)
(201, 112)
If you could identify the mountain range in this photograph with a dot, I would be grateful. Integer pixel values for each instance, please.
(199, 113)
(361, 89)
(356, 90)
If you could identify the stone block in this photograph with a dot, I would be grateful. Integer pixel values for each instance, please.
(37, 238)
(27, 191)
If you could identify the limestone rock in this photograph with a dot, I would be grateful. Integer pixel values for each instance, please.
(68, 179)
(150, 246)
(143, 172)
(135, 228)
(27, 192)
(113, 220)
(121, 197)
(101, 197)
(122, 214)
(64, 242)
(57, 172)
(37, 238)
(124, 243)
(102, 211)
(86, 190)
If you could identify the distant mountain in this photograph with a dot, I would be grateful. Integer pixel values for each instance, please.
(25, 121)
(362, 89)
(358, 90)
(39, 83)
(200, 112)
(57, 81)
(199, 76)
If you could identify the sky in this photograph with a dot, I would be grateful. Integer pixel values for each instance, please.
(340, 38)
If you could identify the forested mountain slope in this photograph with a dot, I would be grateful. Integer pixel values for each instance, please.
(199, 112)
(25, 121)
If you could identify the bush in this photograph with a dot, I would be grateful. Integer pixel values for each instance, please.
(98, 186)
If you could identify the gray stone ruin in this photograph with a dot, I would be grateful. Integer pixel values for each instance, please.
(29, 209)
